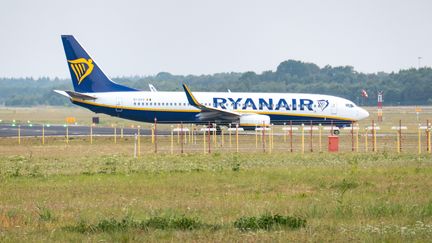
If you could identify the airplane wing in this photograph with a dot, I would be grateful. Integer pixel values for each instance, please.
(76, 95)
(208, 112)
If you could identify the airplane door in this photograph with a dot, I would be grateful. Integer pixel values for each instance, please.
(333, 109)
(119, 104)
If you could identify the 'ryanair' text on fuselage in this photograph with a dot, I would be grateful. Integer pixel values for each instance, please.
(261, 104)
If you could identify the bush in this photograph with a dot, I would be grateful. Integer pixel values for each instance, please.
(45, 214)
(127, 223)
(268, 222)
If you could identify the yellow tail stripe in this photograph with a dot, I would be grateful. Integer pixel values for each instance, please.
(79, 69)
(83, 67)
(74, 70)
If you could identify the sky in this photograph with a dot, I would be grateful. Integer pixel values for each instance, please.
(131, 37)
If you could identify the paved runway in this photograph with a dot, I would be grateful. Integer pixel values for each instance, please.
(8, 130)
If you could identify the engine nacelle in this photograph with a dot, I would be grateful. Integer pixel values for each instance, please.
(254, 120)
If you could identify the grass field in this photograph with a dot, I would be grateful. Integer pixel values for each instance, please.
(99, 192)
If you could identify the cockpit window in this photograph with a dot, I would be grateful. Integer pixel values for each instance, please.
(349, 105)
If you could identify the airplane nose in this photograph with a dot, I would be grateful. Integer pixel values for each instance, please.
(363, 113)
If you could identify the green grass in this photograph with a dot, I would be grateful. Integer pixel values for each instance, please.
(99, 192)
(128, 223)
(217, 197)
(268, 222)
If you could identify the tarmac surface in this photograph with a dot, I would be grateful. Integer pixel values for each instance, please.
(35, 130)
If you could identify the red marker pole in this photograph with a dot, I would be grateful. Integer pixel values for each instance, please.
(380, 101)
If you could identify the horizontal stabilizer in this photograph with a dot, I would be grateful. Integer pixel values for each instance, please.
(75, 95)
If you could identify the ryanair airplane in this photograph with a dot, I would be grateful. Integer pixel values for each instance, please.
(96, 92)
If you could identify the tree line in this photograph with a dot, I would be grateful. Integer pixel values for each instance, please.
(406, 87)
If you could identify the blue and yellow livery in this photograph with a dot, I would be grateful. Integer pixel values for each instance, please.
(96, 92)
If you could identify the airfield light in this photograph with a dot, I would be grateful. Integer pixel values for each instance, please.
(13, 121)
(48, 125)
(28, 121)
(13, 125)
(30, 125)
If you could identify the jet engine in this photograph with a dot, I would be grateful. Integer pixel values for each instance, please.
(254, 120)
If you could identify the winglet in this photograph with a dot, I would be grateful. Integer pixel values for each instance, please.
(224, 114)
(191, 98)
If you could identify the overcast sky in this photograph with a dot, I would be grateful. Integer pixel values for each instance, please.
(205, 37)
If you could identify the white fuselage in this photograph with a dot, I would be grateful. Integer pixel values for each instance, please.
(279, 106)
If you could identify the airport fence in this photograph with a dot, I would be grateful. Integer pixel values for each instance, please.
(297, 137)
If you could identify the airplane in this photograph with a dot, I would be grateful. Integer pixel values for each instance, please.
(95, 91)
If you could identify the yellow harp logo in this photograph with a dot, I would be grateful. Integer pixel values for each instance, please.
(82, 68)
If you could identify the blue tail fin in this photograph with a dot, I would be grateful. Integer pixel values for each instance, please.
(85, 73)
